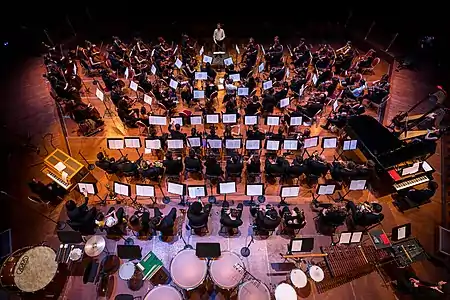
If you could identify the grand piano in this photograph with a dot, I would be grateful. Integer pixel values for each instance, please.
(403, 164)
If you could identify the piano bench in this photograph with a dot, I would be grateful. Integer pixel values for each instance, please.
(404, 203)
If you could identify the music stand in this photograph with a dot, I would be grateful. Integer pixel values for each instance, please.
(355, 185)
(212, 118)
(254, 189)
(224, 188)
(145, 190)
(207, 250)
(401, 232)
(197, 191)
(115, 144)
(348, 145)
(157, 120)
(90, 166)
(91, 189)
(288, 191)
(272, 121)
(252, 145)
(177, 189)
(129, 252)
(329, 143)
(350, 237)
(310, 142)
(69, 236)
(101, 96)
(250, 120)
(323, 189)
(229, 118)
(272, 145)
(196, 120)
(299, 245)
(133, 142)
(122, 189)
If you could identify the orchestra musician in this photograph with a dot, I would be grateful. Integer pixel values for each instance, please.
(274, 54)
(329, 213)
(250, 53)
(253, 107)
(266, 217)
(218, 38)
(294, 219)
(365, 214)
(231, 217)
(192, 163)
(81, 217)
(173, 167)
(164, 223)
(151, 170)
(198, 214)
(106, 164)
(301, 54)
(234, 166)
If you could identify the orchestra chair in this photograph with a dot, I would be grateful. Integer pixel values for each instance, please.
(143, 129)
(369, 70)
(289, 230)
(262, 231)
(234, 230)
(199, 230)
(253, 177)
(165, 110)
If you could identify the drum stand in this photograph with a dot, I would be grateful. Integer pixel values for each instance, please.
(245, 251)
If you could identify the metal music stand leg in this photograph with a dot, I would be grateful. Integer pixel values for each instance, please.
(183, 201)
(249, 202)
(102, 200)
(283, 202)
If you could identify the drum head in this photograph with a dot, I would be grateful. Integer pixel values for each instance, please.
(223, 271)
(253, 290)
(35, 269)
(164, 292)
(126, 271)
(285, 291)
(298, 278)
(316, 273)
(187, 270)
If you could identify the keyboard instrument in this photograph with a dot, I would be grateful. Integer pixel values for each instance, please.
(63, 169)
(410, 183)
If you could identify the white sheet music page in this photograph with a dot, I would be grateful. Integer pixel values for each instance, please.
(199, 94)
(227, 187)
(284, 102)
(311, 142)
(175, 144)
(175, 188)
(228, 61)
(345, 238)
(196, 191)
(89, 187)
(207, 59)
(202, 50)
(127, 73)
(148, 99)
(250, 120)
(273, 120)
(237, 49)
(229, 118)
(329, 143)
(145, 190)
(133, 86)
(133, 142)
(194, 141)
(116, 144)
(242, 91)
(426, 166)
(60, 166)
(314, 79)
(99, 94)
(153, 69)
(290, 145)
(232, 144)
(290, 191)
(235, 77)
(255, 189)
(296, 121)
(287, 73)
(201, 75)
(272, 145)
(357, 185)
(214, 144)
(356, 237)
(401, 234)
(173, 84)
(335, 105)
(196, 120)
(267, 85)
(261, 67)
(147, 151)
(212, 119)
(153, 144)
(297, 245)
(120, 189)
(252, 144)
(177, 120)
(157, 120)
(353, 144)
(178, 63)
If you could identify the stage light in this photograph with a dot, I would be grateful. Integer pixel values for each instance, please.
(5, 43)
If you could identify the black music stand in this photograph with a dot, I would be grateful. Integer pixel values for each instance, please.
(272, 121)
(133, 142)
(122, 189)
(229, 118)
(329, 143)
(310, 142)
(130, 252)
(207, 250)
(69, 236)
(157, 120)
(245, 251)
(255, 189)
(91, 189)
(224, 188)
(300, 245)
(348, 145)
(323, 190)
(286, 192)
(355, 185)
(90, 166)
(212, 119)
(250, 120)
(145, 190)
(233, 145)
(115, 144)
(177, 189)
(101, 96)
(197, 191)
(401, 232)
(272, 145)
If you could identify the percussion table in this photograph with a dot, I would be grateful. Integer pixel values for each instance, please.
(149, 265)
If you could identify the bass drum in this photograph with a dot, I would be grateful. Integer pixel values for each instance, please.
(30, 270)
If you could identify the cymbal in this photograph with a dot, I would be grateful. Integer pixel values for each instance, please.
(94, 246)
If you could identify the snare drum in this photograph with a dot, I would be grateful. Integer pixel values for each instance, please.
(29, 270)
(187, 270)
(316, 273)
(284, 291)
(298, 278)
(164, 292)
(224, 272)
(126, 271)
(253, 290)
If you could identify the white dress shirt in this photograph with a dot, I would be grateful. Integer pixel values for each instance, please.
(219, 34)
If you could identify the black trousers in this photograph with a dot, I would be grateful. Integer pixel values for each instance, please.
(219, 46)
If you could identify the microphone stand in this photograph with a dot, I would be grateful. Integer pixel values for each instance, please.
(59, 224)
(245, 251)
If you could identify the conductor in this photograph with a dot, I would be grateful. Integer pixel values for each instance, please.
(219, 37)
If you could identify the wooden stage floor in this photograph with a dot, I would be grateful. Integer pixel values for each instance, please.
(264, 262)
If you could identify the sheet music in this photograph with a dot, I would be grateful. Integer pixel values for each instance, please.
(116, 144)
(255, 189)
(252, 144)
(173, 84)
(237, 50)
(133, 142)
(64, 175)
(153, 144)
(212, 119)
(157, 120)
(227, 187)
(153, 69)
(89, 187)
(261, 67)
(284, 102)
(99, 94)
(273, 120)
(229, 118)
(178, 63)
(345, 238)
(196, 191)
(300, 92)
(329, 143)
(60, 166)
(176, 120)
(335, 105)
(290, 191)
(350, 145)
(290, 145)
(357, 185)
(220, 87)
(401, 232)
(201, 75)
(411, 170)
(199, 94)
(242, 91)
(296, 246)
(250, 120)
(196, 120)
(314, 79)
(296, 121)
(426, 167)
(214, 144)
(267, 85)
(232, 143)
(175, 188)
(228, 61)
(148, 99)
(175, 144)
(311, 142)
(195, 141)
(145, 190)
(133, 86)
(356, 237)
(272, 145)
(235, 77)
(326, 189)
(121, 189)
(202, 50)
(207, 59)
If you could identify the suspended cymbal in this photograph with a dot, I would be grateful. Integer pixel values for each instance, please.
(94, 246)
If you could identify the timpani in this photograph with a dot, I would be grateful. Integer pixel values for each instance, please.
(285, 291)
(298, 278)
(187, 270)
(253, 290)
(164, 292)
(225, 272)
